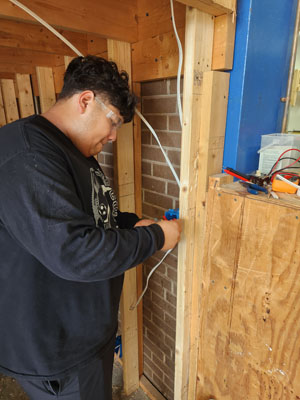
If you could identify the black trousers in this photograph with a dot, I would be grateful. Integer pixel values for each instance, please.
(93, 382)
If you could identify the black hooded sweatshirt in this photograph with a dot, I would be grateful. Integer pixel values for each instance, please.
(64, 247)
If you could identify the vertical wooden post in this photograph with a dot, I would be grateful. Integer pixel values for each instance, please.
(120, 52)
(46, 87)
(2, 113)
(25, 95)
(9, 100)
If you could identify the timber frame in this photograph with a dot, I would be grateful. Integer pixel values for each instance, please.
(139, 36)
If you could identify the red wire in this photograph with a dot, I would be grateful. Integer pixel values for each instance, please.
(298, 159)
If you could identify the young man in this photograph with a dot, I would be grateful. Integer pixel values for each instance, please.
(64, 244)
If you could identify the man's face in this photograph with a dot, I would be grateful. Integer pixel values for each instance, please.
(101, 123)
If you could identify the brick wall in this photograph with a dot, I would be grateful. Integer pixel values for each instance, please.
(160, 192)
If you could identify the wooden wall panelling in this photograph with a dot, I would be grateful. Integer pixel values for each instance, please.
(2, 112)
(224, 37)
(156, 58)
(120, 52)
(28, 57)
(249, 337)
(46, 87)
(9, 100)
(35, 37)
(137, 143)
(87, 17)
(25, 95)
(198, 53)
(214, 7)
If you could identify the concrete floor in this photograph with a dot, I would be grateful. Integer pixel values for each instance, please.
(10, 389)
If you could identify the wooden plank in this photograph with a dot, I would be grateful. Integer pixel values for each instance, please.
(36, 37)
(224, 37)
(2, 112)
(154, 17)
(198, 53)
(150, 390)
(214, 7)
(87, 17)
(25, 95)
(249, 335)
(9, 100)
(120, 52)
(137, 143)
(46, 87)
(156, 58)
(28, 57)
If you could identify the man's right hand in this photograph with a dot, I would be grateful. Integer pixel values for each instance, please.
(172, 231)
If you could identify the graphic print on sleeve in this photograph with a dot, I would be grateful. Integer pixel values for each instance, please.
(104, 201)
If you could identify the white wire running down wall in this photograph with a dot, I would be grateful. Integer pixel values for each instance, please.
(56, 33)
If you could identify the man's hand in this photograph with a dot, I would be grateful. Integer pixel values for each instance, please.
(145, 222)
(172, 231)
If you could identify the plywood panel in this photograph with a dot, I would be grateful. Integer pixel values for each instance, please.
(46, 87)
(25, 95)
(9, 100)
(249, 334)
(214, 7)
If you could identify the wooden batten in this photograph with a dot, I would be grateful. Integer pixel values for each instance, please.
(25, 95)
(46, 87)
(120, 52)
(224, 37)
(214, 7)
(9, 100)
(2, 112)
(198, 54)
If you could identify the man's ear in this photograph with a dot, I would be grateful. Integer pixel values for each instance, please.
(85, 99)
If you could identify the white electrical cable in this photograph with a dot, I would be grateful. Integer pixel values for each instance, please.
(162, 149)
(61, 37)
(282, 178)
(55, 32)
(179, 63)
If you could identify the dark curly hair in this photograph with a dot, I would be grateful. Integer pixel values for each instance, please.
(103, 78)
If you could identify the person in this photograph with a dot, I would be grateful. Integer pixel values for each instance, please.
(64, 243)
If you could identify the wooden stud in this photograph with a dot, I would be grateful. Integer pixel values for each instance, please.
(2, 112)
(25, 95)
(9, 100)
(224, 36)
(214, 7)
(198, 53)
(120, 52)
(46, 87)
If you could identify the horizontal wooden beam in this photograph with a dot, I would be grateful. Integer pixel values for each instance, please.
(156, 58)
(28, 58)
(108, 18)
(214, 7)
(34, 37)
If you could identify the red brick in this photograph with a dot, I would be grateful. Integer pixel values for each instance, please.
(154, 368)
(159, 302)
(146, 168)
(159, 383)
(172, 189)
(168, 330)
(171, 323)
(173, 85)
(157, 122)
(169, 139)
(154, 349)
(109, 160)
(159, 342)
(152, 154)
(169, 383)
(154, 87)
(158, 200)
(174, 156)
(151, 211)
(147, 351)
(160, 105)
(146, 137)
(167, 369)
(174, 123)
(163, 171)
(148, 372)
(151, 263)
(108, 148)
(153, 184)
(171, 299)
(161, 281)
(172, 273)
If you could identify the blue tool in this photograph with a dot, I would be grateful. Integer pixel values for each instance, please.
(253, 188)
(171, 214)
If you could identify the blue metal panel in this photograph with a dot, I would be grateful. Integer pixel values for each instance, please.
(259, 78)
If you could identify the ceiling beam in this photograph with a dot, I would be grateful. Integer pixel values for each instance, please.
(108, 18)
